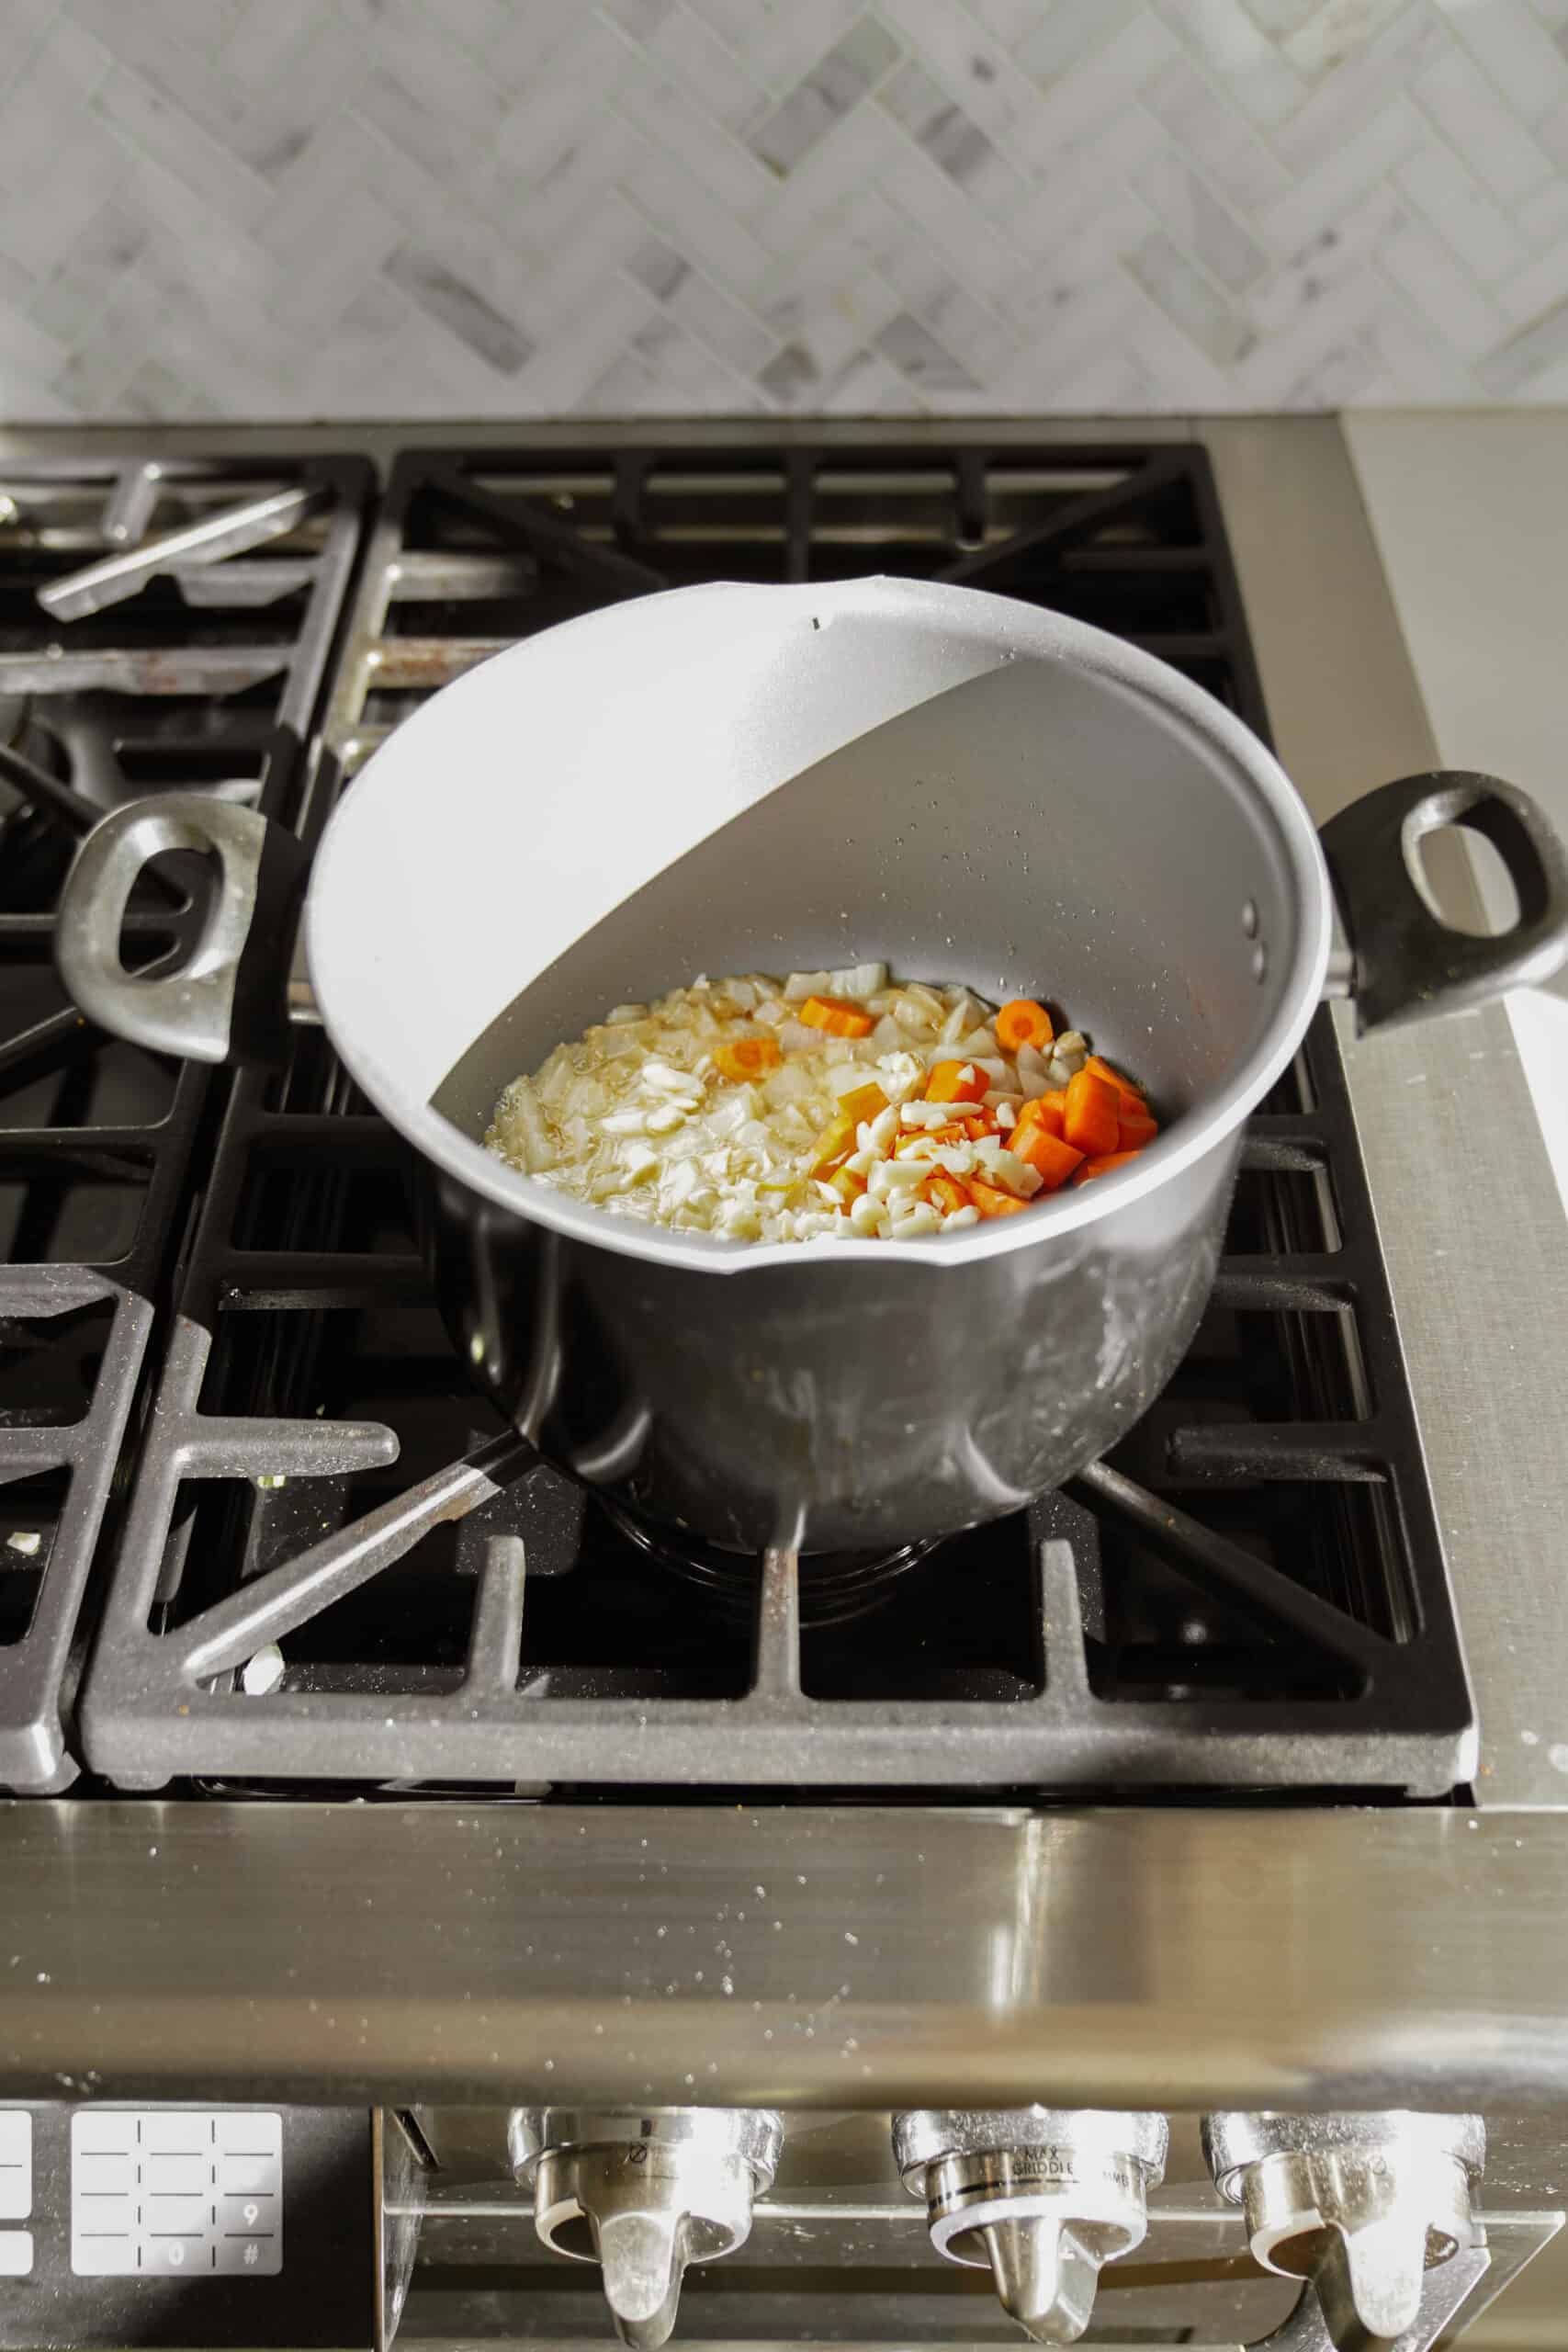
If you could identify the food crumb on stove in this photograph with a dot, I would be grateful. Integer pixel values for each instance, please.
(831, 1105)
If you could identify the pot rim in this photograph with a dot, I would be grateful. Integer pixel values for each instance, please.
(1048, 636)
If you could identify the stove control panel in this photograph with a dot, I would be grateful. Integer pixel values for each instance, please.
(181, 2224)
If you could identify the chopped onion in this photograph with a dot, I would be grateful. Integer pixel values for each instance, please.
(636, 1116)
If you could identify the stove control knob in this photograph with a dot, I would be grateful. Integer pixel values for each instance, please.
(644, 2195)
(1043, 2196)
(1362, 2205)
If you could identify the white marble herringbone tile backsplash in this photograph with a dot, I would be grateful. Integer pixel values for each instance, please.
(354, 209)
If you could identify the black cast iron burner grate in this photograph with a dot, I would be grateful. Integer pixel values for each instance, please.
(337, 1566)
(204, 677)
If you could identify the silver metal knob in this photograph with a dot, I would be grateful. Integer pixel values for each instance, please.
(644, 2195)
(1042, 2195)
(1362, 2205)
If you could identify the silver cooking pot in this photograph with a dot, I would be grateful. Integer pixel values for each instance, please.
(723, 779)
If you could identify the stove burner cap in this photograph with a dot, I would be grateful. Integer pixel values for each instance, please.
(835, 1586)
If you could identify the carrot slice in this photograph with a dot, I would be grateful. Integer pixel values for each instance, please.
(957, 1082)
(837, 1017)
(743, 1057)
(1092, 1115)
(1053, 1160)
(992, 1202)
(944, 1193)
(1022, 1023)
(839, 1136)
(1132, 1133)
(1132, 1098)
(1103, 1165)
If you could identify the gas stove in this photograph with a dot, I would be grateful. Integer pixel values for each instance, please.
(830, 1917)
(1251, 1594)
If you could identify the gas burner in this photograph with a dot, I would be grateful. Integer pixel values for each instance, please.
(835, 1588)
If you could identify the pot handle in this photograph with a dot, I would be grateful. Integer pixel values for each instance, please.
(228, 1000)
(1405, 962)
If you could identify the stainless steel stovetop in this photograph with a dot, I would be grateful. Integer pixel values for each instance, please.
(222, 1342)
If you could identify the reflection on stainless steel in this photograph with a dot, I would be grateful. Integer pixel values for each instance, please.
(1362, 2205)
(1183, 1958)
(1044, 2196)
(645, 2195)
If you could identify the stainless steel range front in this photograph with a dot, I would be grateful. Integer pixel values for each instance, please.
(424, 1910)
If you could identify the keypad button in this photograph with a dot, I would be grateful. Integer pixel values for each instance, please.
(250, 2257)
(15, 2164)
(15, 2254)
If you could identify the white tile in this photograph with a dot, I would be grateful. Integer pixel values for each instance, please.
(1064, 36)
(1100, 86)
(1538, 287)
(1464, 105)
(977, 73)
(1366, 157)
(1340, 247)
(1225, 37)
(1086, 176)
(1186, 295)
(1508, 41)
(1542, 219)
(1008, 21)
(1441, 288)
(1335, 32)
(675, 204)
(1434, 183)
(688, 48)
(1361, 87)
(718, 164)
(148, 124)
(1420, 362)
(1280, 18)
(1287, 356)
(1196, 220)
(1234, 158)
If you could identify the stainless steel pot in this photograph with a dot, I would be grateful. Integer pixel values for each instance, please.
(733, 778)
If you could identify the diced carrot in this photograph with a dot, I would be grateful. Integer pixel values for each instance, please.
(1131, 1098)
(1056, 1100)
(839, 1136)
(957, 1082)
(1132, 1133)
(981, 1124)
(1092, 1115)
(991, 1201)
(1103, 1165)
(837, 1016)
(847, 1184)
(1022, 1023)
(744, 1057)
(944, 1193)
(1053, 1160)
(1037, 1117)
